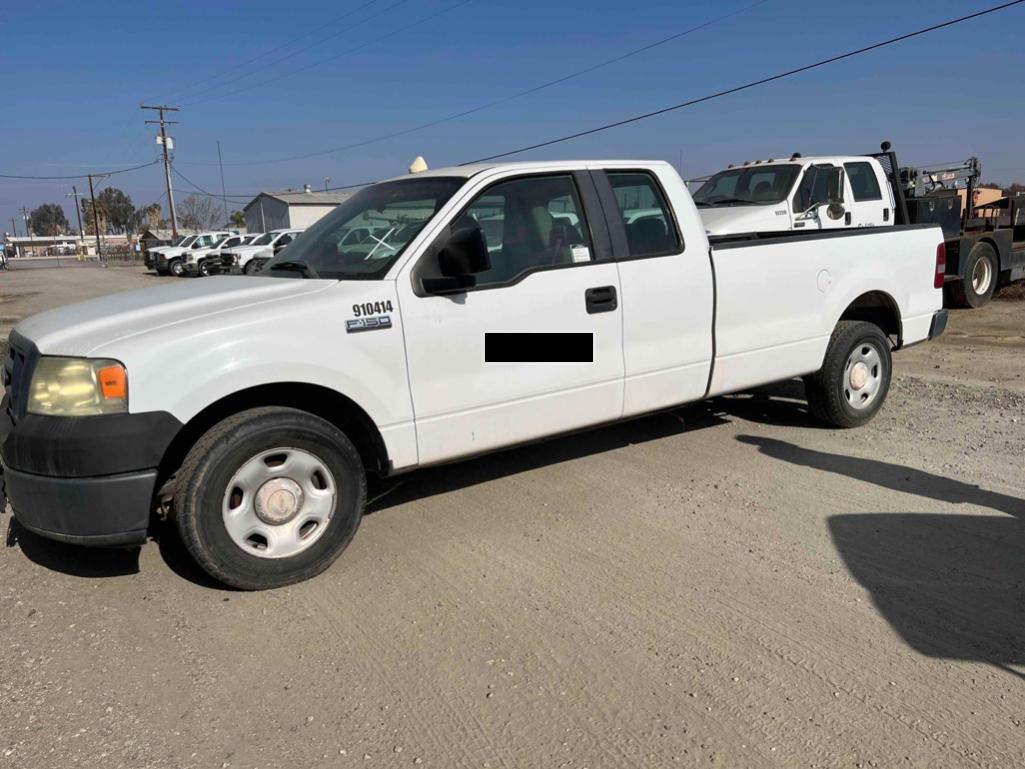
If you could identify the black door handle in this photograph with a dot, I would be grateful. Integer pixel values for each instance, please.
(602, 299)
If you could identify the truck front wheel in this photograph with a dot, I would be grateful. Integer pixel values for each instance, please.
(980, 278)
(176, 267)
(269, 496)
(855, 376)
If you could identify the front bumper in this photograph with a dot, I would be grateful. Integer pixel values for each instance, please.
(190, 268)
(84, 480)
(107, 511)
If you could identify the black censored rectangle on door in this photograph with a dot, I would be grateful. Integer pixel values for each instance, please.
(539, 348)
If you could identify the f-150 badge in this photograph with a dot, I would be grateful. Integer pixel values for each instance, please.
(368, 324)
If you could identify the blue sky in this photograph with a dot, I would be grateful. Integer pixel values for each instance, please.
(77, 73)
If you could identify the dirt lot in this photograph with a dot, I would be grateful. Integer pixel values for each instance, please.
(726, 585)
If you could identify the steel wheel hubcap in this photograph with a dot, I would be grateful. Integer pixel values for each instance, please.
(863, 376)
(279, 502)
(982, 274)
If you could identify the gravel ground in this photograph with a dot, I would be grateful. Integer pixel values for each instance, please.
(725, 585)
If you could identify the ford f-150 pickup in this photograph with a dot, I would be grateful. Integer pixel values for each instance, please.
(489, 305)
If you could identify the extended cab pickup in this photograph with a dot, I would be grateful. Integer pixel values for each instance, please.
(253, 407)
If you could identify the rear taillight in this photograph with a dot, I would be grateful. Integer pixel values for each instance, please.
(941, 265)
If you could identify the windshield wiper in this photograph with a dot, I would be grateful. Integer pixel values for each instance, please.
(295, 265)
(730, 202)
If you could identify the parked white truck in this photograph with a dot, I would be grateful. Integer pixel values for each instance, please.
(797, 193)
(985, 243)
(254, 407)
(239, 259)
(171, 259)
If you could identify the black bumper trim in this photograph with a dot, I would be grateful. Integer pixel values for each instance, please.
(86, 447)
(111, 510)
(939, 323)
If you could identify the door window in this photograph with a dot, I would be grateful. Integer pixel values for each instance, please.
(864, 184)
(817, 188)
(529, 224)
(650, 229)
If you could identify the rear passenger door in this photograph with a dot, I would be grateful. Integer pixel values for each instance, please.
(667, 296)
(866, 203)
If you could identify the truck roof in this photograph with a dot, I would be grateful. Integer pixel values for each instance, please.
(547, 165)
(809, 160)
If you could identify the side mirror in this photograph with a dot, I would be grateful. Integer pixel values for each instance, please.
(835, 210)
(462, 256)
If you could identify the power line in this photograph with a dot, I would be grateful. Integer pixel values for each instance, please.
(191, 99)
(497, 102)
(752, 84)
(275, 49)
(337, 56)
(80, 176)
(233, 198)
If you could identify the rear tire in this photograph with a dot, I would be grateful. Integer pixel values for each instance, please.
(854, 380)
(225, 477)
(980, 278)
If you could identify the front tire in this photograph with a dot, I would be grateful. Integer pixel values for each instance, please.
(980, 278)
(854, 380)
(269, 497)
(176, 267)
(249, 268)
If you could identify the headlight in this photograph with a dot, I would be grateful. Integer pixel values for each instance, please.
(78, 387)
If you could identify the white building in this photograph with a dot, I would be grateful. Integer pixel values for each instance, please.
(289, 210)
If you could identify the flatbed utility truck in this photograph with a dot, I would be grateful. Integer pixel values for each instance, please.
(985, 243)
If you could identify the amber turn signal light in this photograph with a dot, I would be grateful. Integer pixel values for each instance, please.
(113, 382)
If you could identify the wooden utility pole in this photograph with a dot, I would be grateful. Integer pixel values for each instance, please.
(164, 140)
(75, 195)
(96, 220)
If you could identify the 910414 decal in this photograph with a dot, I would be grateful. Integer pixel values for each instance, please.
(372, 308)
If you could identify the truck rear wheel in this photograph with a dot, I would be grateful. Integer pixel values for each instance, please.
(980, 278)
(855, 376)
(269, 497)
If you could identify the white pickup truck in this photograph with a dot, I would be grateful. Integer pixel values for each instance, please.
(171, 259)
(797, 193)
(253, 407)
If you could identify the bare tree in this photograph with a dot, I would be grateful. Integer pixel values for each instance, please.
(199, 213)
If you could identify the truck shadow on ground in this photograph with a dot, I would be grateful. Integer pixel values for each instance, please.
(952, 585)
(552, 451)
(72, 559)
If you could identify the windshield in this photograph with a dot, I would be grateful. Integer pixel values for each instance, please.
(749, 185)
(263, 240)
(188, 241)
(362, 238)
(222, 241)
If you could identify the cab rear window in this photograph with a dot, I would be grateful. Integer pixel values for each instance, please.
(864, 184)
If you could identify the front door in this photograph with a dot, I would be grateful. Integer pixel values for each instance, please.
(535, 346)
(818, 202)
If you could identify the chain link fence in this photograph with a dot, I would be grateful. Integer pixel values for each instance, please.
(121, 255)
